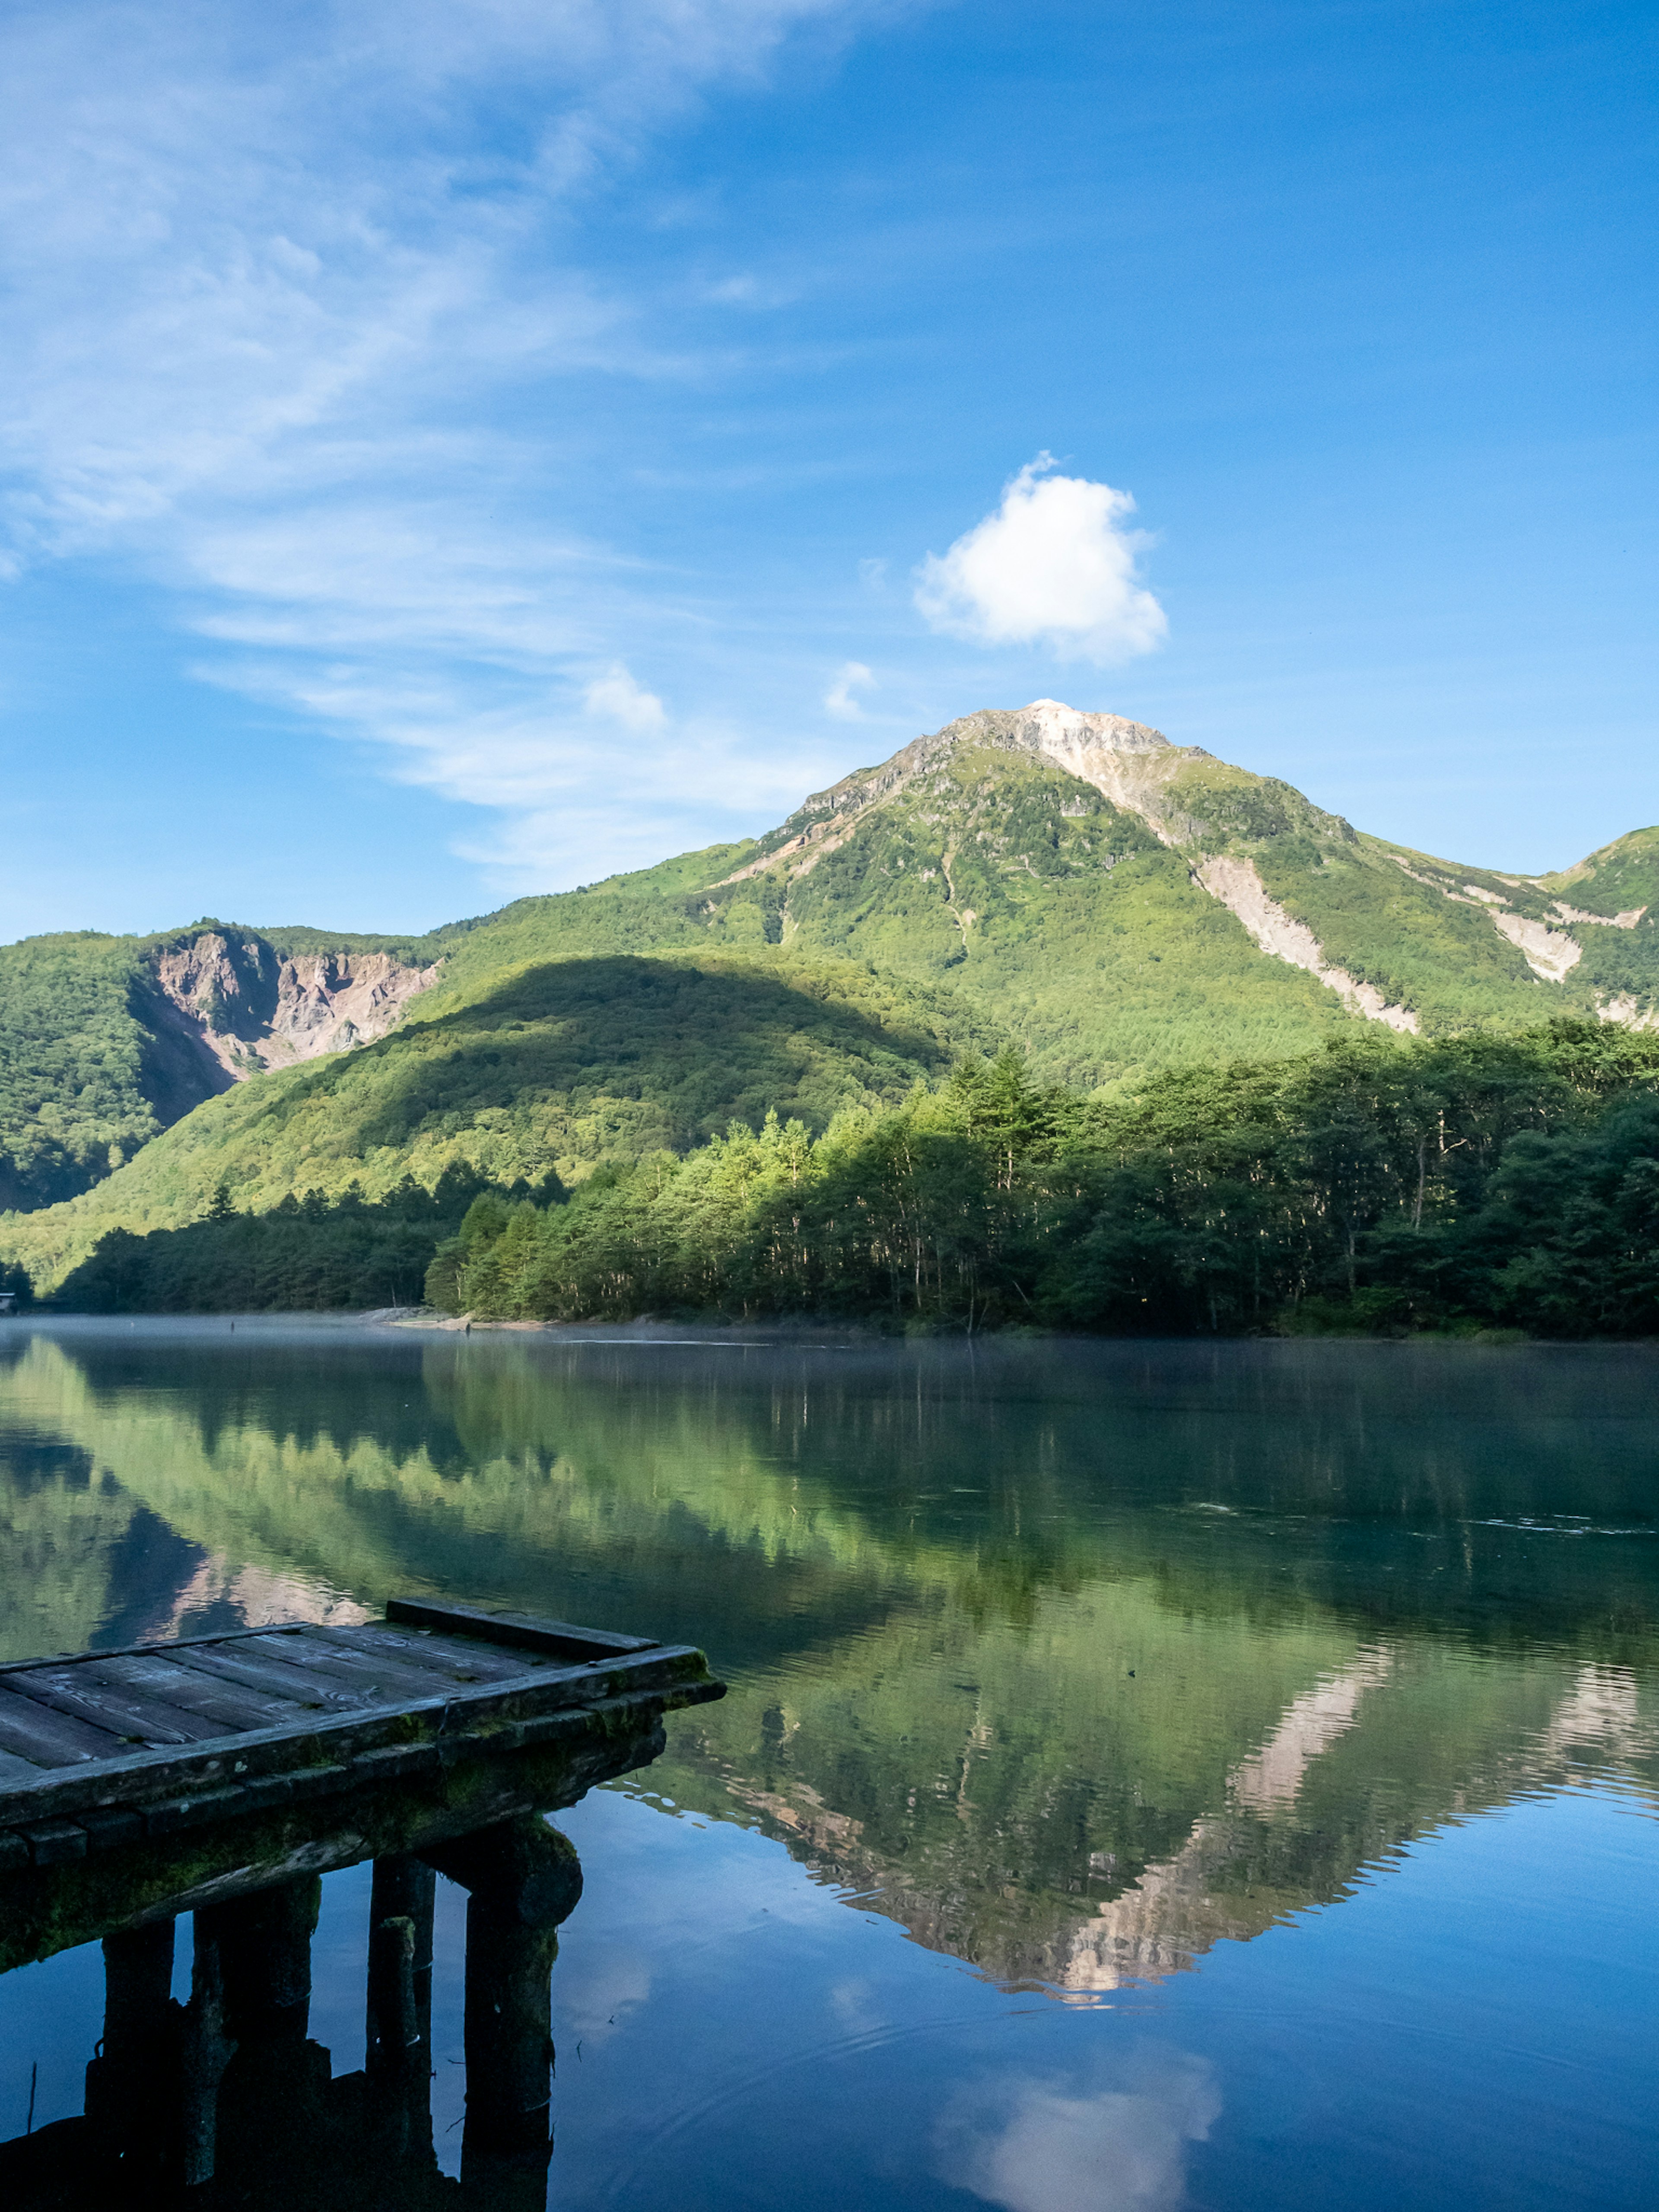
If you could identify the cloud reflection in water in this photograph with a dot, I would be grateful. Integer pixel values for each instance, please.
(1053, 2144)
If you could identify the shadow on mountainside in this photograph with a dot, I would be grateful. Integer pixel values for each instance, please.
(698, 1044)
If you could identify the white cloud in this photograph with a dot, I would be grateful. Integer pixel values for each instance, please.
(600, 1987)
(616, 697)
(1034, 2145)
(1053, 565)
(838, 699)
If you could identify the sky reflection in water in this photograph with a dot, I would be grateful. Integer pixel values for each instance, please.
(1153, 1775)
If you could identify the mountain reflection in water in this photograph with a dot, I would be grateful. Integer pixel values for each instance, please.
(1073, 1659)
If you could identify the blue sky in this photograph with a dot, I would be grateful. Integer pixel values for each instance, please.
(461, 447)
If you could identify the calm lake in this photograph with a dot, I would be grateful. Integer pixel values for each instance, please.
(1153, 1775)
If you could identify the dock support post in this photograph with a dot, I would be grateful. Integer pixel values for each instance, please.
(133, 2085)
(522, 1878)
(205, 2053)
(399, 2062)
(250, 2006)
(264, 1948)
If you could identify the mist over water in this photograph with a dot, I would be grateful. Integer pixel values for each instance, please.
(1153, 1774)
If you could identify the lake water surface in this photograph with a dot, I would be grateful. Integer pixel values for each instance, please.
(1152, 1775)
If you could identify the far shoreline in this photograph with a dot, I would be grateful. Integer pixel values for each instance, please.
(715, 1331)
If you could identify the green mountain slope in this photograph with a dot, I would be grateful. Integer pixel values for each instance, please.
(1116, 903)
(79, 1086)
(555, 1064)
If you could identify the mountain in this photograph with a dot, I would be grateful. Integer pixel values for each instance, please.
(1109, 897)
(1114, 902)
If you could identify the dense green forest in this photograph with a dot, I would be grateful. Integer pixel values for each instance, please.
(310, 1254)
(1481, 1181)
(1476, 1182)
(76, 1072)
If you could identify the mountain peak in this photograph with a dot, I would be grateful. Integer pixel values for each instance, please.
(1129, 763)
(1058, 729)
(1049, 726)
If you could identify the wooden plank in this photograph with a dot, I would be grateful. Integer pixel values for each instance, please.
(48, 1739)
(172, 1683)
(306, 1690)
(14, 1769)
(153, 1643)
(665, 1677)
(123, 1712)
(455, 1658)
(390, 1673)
(523, 1628)
(385, 1652)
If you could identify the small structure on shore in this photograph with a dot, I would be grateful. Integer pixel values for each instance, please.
(223, 1775)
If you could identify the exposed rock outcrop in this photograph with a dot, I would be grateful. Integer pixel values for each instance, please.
(1552, 954)
(1241, 890)
(237, 1007)
(1127, 762)
(1628, 919)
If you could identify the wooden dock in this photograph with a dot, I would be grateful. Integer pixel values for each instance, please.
(152, 1779)
(222, 1776)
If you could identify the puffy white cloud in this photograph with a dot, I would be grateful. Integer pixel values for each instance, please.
(1033, 2145)
(1054, 565)
(854, 676)
(616, 697)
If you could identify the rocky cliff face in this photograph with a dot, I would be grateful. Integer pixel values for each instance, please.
(244, 1008)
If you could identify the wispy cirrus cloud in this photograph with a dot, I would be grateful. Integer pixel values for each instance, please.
(291, 303)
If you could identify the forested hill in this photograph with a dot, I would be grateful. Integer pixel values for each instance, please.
(1075, 884)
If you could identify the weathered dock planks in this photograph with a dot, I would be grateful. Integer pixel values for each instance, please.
(101, 1751)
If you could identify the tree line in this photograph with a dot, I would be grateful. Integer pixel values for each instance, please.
(1476, 1181)
(310, 1254)
(1481, 1182)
